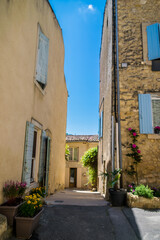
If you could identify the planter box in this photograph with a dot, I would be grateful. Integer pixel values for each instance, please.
(25, 226)
(135, 201)
(10, 212)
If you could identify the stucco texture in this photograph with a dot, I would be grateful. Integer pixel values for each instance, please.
(21, 98)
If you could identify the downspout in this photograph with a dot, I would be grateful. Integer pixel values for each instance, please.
(118, 94)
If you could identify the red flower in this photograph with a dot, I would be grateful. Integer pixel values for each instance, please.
(134, 146)
(138, 151)
(129, 129)
(134, 134)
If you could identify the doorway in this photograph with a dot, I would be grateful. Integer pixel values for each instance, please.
(73, 178)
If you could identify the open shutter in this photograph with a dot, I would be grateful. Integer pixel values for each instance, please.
(145, 113)
(42, 58)
(102, 124)
(28, 148)
(153, 41)
(47, 163)
(99, 127)
(42, 157)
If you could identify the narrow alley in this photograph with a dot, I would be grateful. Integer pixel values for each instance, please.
(85, 215)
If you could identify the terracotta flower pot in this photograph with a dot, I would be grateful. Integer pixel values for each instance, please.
(10, 212)
(26, 225)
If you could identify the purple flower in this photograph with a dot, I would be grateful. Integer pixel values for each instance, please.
(134, 134)
(129, 129)
(138, 151)
(157, 127)
(134, 145)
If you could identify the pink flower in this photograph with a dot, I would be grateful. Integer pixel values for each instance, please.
(129, 129)
(134, 134)
(134, 146)
(138, 151)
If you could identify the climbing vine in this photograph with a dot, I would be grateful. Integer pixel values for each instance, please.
(135, 154)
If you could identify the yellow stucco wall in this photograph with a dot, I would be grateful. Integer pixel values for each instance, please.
(82, 177)
(21, 99)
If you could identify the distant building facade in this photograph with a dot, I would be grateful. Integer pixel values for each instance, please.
(33, 99)
(76, 175)
(130, 88)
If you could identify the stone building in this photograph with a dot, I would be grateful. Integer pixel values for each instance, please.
(130, 88)
(76, 175)
(33, 99)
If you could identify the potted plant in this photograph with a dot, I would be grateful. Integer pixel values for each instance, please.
(157, 129)
(13, 192)
(117, 196)
(28, 216)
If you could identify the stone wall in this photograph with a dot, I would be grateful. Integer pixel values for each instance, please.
(137, 78)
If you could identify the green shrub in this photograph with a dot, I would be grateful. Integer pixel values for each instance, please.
(143, 191)
(89, 159)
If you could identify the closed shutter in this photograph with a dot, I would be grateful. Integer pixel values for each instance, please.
(47, 163)
(42, 58)
(28, 148)
(70, 154)
(145, 113)
(153, 41)
(76, 153)
(42, 157)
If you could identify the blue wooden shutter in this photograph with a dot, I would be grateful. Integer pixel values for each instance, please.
(28, 147)
(42, 58)
(42, 157)
(145, 113)
(153, 40)
(47, 164)
(102, 124)
(99, 127)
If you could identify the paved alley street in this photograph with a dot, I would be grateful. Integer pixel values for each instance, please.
(84, 215)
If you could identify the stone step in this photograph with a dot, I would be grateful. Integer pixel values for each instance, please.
(5, 231)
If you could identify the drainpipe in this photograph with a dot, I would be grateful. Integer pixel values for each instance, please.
(118, 94)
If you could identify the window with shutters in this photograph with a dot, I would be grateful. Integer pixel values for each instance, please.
(151, 45)
(149, 112)
(74, 154)
(42, 59)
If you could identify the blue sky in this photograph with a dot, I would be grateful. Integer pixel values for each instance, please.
(81, 23)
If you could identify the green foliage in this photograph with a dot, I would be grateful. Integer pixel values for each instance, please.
(113, 177)
(134, 154)
(89, 159)
(67, 152)
(143, 191)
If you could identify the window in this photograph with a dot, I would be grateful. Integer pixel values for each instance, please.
(33, 156)
(149, 112)
(74, 154)
(151, 45)
(42, 59)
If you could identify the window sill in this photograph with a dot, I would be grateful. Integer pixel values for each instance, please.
(153, 136)
(39, 87)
